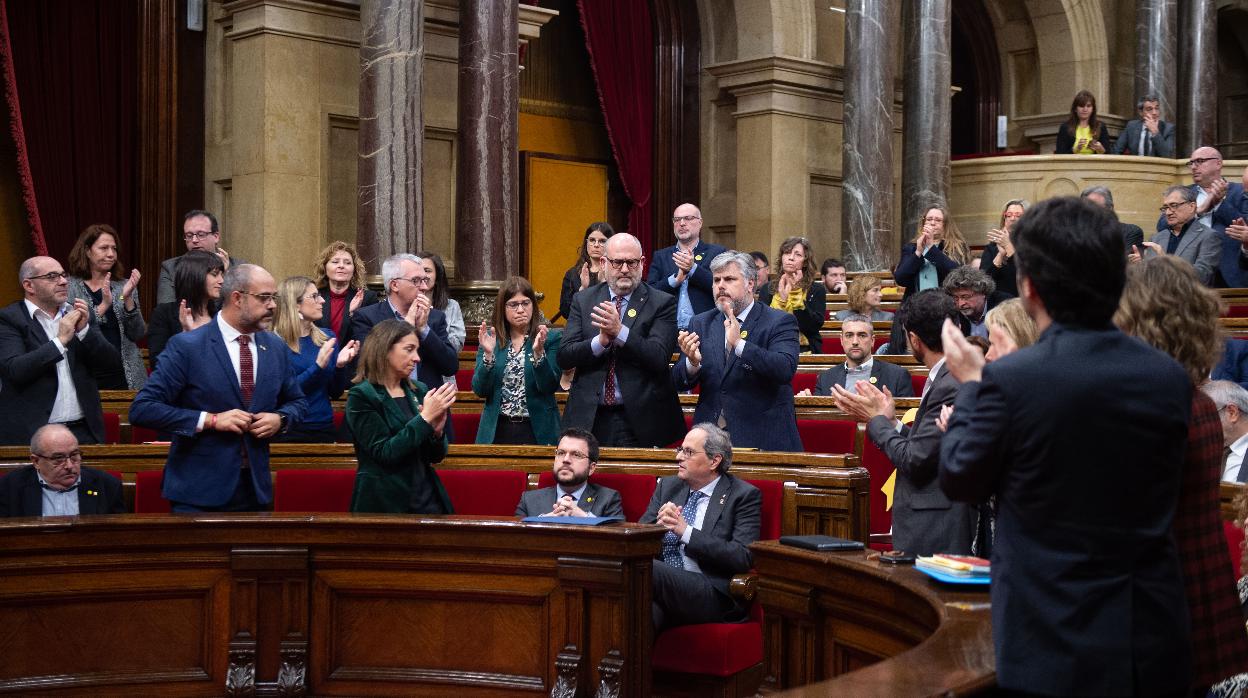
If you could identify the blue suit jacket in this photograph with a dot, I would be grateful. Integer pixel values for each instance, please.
(1234, 364)
(700, 293)
(195, 375)
(1233, 205)
(755, 390)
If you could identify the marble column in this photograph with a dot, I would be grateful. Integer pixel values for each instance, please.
(869, 238)
(1198, 80)
(926, 108)
(1156, 58)
(390, 214)
(487, 187)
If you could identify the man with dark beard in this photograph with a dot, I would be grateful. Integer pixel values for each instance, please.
(576, 458)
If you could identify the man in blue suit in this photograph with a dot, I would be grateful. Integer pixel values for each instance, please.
(1218, 204)
(681, 269)
(744, 355)
(223, 390)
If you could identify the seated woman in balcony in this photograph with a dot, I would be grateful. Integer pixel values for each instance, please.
(1082, 133)
(997, 259)
(864, 299)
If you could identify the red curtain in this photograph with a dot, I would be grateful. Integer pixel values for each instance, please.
(74, 64)
(620, 40)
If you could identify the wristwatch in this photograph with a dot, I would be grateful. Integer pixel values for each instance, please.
(285, 425)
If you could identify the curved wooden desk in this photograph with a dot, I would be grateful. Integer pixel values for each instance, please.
(328, 605)
(872, 628)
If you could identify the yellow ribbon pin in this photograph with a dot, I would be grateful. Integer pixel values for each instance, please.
(632, 312)
(874, 379)
(745, 333)
(697, 258)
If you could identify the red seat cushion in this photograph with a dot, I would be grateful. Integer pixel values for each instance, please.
(769, 520)
(313, 491)
(1235, 545)
(917, 381)
(1237, 311)
(112, 428)
(804, 380)
(635, 490)
(463, 378)
(147, 499)
(465, 425)
(718, 649)
(484, 492)
(139, 435)
(880, 468)
(826, 436)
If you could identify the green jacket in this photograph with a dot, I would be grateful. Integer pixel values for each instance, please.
(540, 383)
(394, 454)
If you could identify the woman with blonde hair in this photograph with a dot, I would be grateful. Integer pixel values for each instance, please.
(315, 357)
(864, 299)
(997, 259)
(1192, 336)
(340, 281)
(797, 288)
(938, 249)
(1010, 328)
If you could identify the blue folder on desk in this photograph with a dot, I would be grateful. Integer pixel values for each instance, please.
(577, 520)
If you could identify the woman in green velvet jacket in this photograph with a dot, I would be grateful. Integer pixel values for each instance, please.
(397, 425)
(518, 382)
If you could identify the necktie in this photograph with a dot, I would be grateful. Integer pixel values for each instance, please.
(246, 369)
(608, 396)
(671, 543)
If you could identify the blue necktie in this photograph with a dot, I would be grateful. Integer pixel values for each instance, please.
(671, 542)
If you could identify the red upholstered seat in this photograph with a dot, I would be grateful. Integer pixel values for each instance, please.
(917, 381)
(313, 491)
(463, 378)
(1235, 546)
(465, 425)
(147, 499)
(804, 380)
(112, 428)
(1237, 311)
(339, 418)
(139, 435)
(773, 498)
(484, 492)
(717, 649)
(880, 468)
(635, 489)
(826, 436)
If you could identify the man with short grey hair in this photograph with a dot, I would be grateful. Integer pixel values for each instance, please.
(1184, 235)
(1132, 235)
(1147, 135)
(711, 518)
(1232, 402)
(743, 355)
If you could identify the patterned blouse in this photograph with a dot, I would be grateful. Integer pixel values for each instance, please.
(515, 404)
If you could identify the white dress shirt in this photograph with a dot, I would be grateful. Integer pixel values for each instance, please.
(689, 369)
(231, 335)
(1235, 460)
(65, 408)
(699, 517)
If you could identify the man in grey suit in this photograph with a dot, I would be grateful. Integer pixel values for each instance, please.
(857, 341)
(1185, 235)
(576, 458)
(200, 231)
(1147, 135)
(925, 521)
(711, 518)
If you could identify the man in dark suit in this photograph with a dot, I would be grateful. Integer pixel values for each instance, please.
(576, 458)
(974, 293)
(711, 518)
(407, 298)
(200, 231)
(223, 390)
(1132, 235)
(743, 355)
(1081, 437)
(50, 358)
(924, 520)
(857, 340)
(681, 269)
(56, 483)
(620, 338)
(1147, 135)
(1218, 204)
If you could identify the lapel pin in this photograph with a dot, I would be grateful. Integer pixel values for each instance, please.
(697, 258)
(91, 493)
(632, 312)
(722, 497)
(874, 379)
(745, 333)
(589, 499)
(262, 347)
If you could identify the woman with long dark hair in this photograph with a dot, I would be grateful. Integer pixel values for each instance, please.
(590, 267)
(1082, 133)
(197, 287)
(97, 276)
(796, 288)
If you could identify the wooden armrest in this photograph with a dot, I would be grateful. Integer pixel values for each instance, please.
(744, 586)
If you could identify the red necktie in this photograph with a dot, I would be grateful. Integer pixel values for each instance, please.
(608, 397)
(246, 369)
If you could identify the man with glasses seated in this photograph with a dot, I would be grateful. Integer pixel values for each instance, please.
(200, 231)
(1185, 235)
(224, 390)
(576, 458)
(408, 289)
(974, 293)
(1218, 204)
(56, 483)
(50, 358)
(620, 337)
(682, 269)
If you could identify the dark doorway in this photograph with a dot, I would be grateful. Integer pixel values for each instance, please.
(977, 71)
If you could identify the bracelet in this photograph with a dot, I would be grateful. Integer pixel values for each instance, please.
(212, 423)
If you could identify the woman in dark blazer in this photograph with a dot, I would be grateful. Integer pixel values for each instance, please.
(938, 249)
(798, 289)
(590, 267)
(340, 281)
(397, 427)
(1082, 133)
(518, 387)
(197, 282)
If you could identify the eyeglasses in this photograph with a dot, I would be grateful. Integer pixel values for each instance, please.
(312, 298)
(597, 242)
(60, 458)
(1200, 161)
(51, 276)
(686, 452)
(265, 298)
(1166, 208)
(685, 219)
(964, 296)
(418, 280)
(933, 220)
(574, 455)
(625, 263)
(195, 235)
(517, 305)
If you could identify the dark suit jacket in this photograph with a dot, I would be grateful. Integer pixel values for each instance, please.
(1003, 276)
(925, 522)
(164, 285)
(1234, 364)
(1065, 144)
(809, 319)
(1086, 465)
(1199, 246)
(395, 454)
(164, 324)
(700, 292)
(370, 299)
(597, 501)
(98, 493)
(28, 378)
(733, 515)
(1232, 206)
(641, 365)
(1128, 142)
(195, 375)
(753, 391)
(909, 266)
(883, 374)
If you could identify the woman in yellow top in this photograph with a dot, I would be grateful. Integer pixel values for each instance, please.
(796, 288)
(1083, 133)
